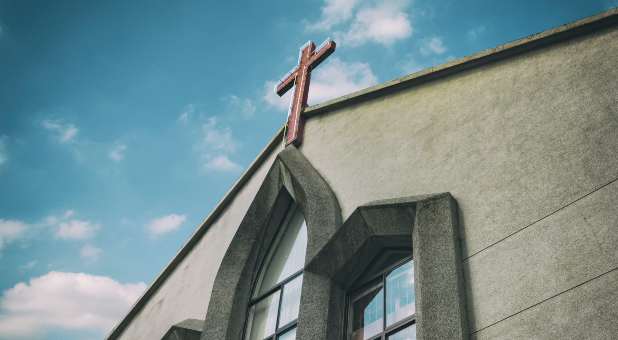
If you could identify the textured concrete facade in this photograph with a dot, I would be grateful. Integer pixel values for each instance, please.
(527, 144)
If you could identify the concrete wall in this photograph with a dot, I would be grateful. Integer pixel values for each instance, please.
(186, 292)
(529, 148)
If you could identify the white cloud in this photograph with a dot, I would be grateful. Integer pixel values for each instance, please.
(334, 12)
(4, 157)
(383, 23)
(65, 132)
(242, 106)
(221, 163)
(11, 230)
(216, 145)
(65, 301)
(356, 22)
(117, 152)
(475, 33)
(165, 224)
(76, 230)
(336, 78)
(433, 45)
(332, 79)
(90, 253)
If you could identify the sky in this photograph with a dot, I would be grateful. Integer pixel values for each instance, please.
(123, 123)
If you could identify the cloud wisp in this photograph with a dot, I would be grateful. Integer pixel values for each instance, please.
(4, 154)
(473, 34)
(90, 253)
(76, 230)
(433, 45)
(215, 143)
(165, 224)
(65, 301)
(216, 146)
(10, 231)
(332, 79)
(66, 227)
(355, 23)
(117, 152)
(64, 132)
(240, 106)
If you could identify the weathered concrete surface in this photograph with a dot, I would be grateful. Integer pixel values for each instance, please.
(513, 141)
(589, 311)
(185, 294)
(572, 246)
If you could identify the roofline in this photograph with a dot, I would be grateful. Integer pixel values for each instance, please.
(565, 32)
(197, 235)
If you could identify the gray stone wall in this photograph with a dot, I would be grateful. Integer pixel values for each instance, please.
(528, 146)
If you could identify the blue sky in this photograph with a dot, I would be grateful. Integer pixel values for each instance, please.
(123, 123)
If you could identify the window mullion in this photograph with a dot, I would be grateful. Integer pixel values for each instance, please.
(279, 309)
(384, 302)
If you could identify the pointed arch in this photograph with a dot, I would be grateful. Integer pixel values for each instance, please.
(291, 179)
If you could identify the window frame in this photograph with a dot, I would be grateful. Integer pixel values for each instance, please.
(291, 209)
(366, 286)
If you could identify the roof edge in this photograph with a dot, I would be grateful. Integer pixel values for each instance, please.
(197, 235)
(564, 32)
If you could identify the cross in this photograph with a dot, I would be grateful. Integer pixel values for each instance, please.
(300, 77)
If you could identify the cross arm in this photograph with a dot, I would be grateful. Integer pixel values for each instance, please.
(286, 83)
(325, 50)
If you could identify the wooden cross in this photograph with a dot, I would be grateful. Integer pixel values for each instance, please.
(300, 77)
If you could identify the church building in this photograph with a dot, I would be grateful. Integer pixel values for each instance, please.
(477, 199)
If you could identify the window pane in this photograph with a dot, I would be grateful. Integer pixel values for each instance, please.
(288, 256)
(368, 314)
(400, 299)
(408, 333)
(289, 335)
(263, 317)
(290, 301)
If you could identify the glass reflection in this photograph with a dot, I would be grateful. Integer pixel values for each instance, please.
(289, 335)
(408, 333)
(400, 299)
(368, 315)
(288, 256)
(290, 302)
(264, 317)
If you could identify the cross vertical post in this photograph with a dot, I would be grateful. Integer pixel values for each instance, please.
(300, 77)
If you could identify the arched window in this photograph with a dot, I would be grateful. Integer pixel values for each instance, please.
(275, 302)
(382, 303)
